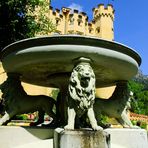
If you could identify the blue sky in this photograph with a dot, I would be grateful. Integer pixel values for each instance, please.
(130, 26)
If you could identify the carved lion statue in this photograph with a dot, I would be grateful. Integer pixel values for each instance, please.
(116, 106)
(18, 102)
(81, 95)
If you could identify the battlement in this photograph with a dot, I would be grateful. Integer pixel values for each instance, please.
(67, 11)
(103, 10)
(68, 21)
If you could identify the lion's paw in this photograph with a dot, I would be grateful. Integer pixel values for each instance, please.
(69, 127)
(97, 128)
(136, 127)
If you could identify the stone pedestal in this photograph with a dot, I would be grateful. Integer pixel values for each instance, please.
(26, 137)
(128, 138)
(42, 137)
(81, 139)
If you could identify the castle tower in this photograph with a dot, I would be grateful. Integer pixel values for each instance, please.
(75, 22)
(65, 12)
(104, 20)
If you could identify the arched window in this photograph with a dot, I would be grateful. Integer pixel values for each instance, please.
(57, 21)
(98, 30)
(71, 20)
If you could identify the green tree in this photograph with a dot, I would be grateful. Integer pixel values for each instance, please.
(41, 15)
(18, 22)
(140, 100)
(143, 102)
(135, 86)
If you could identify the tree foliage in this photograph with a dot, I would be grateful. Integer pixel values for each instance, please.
(18, 20)
(140, 101)
(44, 24)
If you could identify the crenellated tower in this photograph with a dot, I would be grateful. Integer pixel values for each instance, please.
(104, 21)
(69, 21)
(75, 22)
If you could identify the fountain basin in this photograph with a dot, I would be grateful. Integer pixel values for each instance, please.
(48, 61)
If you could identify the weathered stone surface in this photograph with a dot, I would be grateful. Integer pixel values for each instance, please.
(80, 139)
(25, 137)
(41, 137)
(128, 138)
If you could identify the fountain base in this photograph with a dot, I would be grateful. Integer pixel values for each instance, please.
(128, 138)
(84, 138)
(22, 137)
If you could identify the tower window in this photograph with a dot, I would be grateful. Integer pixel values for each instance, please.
(90, 30)
(71, 20)
(57, 21)
(98, 30)
(79, 23)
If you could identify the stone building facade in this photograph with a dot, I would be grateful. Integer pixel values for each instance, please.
(75, 22)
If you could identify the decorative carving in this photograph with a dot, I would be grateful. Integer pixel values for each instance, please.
(116, 106)
(81, 94)
(18, 102)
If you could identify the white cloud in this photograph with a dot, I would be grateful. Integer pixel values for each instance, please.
(76, 7)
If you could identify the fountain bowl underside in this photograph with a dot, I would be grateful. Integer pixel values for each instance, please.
(48, 61)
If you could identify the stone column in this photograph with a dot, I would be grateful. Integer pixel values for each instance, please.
(82, 138)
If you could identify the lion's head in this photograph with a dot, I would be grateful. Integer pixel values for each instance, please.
(82, 84)
(83, 76)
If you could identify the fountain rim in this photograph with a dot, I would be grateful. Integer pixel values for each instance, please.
(69, 40)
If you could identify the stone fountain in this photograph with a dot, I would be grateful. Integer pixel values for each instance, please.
(52, 62)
